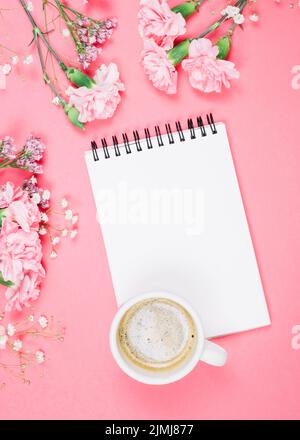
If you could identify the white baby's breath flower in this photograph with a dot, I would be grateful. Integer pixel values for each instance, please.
(64, 232)
(3, 342)
(28, 59)
(254, 17)
(17, 345)
(56, 100)
(40, 356)
(92, 39)
(6, 69)
(46, 194)
(33, 179)
(43, 321)
(73, 233)
(14, 59)
(65, 32)
(53, 254)
(42, 230)
(30, 6)
(55, 240)
(74, 219)
(30, 318)
(231, 11)
(11, 329)
(64, 203)
(44, 217)
(68, 214)
(36, 198)
(239, 19)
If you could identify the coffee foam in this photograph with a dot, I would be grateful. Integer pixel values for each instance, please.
(157, 333)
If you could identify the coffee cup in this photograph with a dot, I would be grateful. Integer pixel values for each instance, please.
(157, 338)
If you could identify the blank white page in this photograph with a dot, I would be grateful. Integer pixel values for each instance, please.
(172, 219)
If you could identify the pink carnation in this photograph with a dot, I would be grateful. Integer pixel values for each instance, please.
(159, 23)
(101, 101)
(159, 68)
(19, 207)
(9, 193)
(20, 252)
(28, 290)
(206, 72)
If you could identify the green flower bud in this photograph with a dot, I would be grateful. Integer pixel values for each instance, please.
(224, 44)
(186, 9)
(79, 78)
(179, 52)
(73, 115)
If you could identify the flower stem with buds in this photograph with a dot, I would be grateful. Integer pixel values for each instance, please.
(68, 23)
(240, 3)
(180, 51)
(71, 73)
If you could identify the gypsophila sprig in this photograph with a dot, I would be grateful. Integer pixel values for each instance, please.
(18, 351)
(57, 220)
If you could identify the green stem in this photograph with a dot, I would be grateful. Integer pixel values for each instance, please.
(68, 23)
(46, 76)
(214, 26)
(38, 32)
(80, 15)
(9, 162)
(7, 48)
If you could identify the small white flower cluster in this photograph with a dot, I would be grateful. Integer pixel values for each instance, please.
(254, 17)
(66, 231)
(17, 344)
(65, 32)
(38, 197)
(14, 60)
(30, 6)
(40, 356)
(233, 12)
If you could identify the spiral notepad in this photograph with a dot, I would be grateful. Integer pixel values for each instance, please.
(172, 219)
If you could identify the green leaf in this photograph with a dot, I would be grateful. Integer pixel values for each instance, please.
(224, 44)
(2, 215)
(5, 283)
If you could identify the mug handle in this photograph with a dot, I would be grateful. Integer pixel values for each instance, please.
(213, 354)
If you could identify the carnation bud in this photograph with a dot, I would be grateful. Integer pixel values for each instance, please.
(73, 115)
(186, 8)
(179, 52)
(79, 78)
(223, 44)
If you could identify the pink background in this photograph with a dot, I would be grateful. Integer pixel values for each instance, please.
(262, 377)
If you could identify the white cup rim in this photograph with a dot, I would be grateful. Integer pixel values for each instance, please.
(139, 375)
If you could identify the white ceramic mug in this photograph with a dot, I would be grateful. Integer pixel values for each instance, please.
(205, 350)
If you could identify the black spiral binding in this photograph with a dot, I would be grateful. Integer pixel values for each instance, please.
(149, 138)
